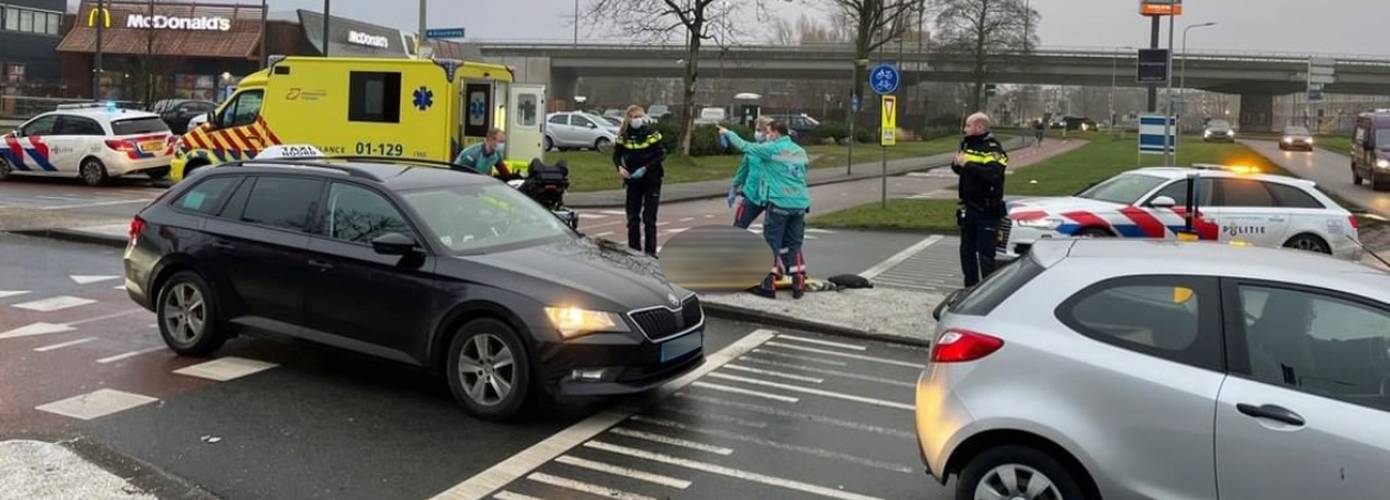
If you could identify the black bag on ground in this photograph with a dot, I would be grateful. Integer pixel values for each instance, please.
(845, 281)
(547, 183)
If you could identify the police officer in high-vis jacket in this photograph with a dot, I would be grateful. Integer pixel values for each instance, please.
(980, 164)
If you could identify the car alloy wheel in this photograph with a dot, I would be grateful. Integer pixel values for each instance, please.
(1016, 482)
(487, 369)
(185, 313)
(93, 172)
(1308, 244)
(549, 143)
(603, 144)
(5, 169)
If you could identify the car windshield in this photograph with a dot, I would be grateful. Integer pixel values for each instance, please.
(1125, 189)
(1219, 124)
(1295, 131)
(147, 125)
(475, 218)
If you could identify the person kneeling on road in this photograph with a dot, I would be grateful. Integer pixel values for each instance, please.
(748, 183)
(783, 167)
(483, 157)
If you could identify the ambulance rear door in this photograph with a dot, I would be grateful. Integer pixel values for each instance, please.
(526, 117)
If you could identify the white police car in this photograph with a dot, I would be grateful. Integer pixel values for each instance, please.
(1234, 204)
(92, 142)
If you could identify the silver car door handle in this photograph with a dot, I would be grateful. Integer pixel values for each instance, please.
(1272, 412)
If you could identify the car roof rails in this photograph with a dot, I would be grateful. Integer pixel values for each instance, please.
(307, 162)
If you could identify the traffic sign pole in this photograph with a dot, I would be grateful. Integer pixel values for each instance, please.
(885, 79)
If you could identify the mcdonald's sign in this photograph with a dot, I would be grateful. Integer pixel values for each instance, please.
(105, 16)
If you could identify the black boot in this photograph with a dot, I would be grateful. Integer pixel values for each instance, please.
(768, 288)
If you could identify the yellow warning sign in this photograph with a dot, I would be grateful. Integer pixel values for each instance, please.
(890, 121)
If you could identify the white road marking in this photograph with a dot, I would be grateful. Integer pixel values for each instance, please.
(131, 354)
(679, 484)
(63, 198)
(612, 212)
(907, 253)
(61, 345)
(677, 230)
(97, 204)
(808, 359)
(827, 371)
(516, 466)
(659, 224)
(12, 293)
(727, 471)
(33, 329)
(658, 438)
(709, 216)
(717, 417)
(98, 403)
(874, 359)
(687, 219)
(507, 495)
(120, 287)
(809, 450)
(817, 392)
(796, 415)
(605, 233)
(105, 317)
(224, 369)
(583, 487)
(85, 279)
(55, 303)
(770, 373)
(814, 230)
(590, 215)
(853, 347)
(746, 392)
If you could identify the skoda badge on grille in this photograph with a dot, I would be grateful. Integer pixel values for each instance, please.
(674, 301)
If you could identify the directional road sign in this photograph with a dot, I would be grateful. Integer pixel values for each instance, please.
(884, 79)
(889, 121)
(441, 33)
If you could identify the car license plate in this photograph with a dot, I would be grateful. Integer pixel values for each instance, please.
(681, 346)
(151, 147)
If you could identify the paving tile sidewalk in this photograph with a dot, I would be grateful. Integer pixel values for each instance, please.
(688, 191)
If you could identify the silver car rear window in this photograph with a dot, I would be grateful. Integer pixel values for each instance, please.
(994, 290)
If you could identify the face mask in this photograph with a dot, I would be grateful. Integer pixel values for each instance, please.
(758, 136)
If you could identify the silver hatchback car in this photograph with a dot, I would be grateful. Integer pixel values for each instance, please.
(1143, 369)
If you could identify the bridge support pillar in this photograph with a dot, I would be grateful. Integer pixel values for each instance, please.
(1257, 112)
(564, 85)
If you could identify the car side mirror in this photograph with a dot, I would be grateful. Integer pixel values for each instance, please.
(1163, 202)
(394, 244)
(593, 126)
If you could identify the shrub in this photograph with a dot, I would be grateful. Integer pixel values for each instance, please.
(834, 131)
(705, 140)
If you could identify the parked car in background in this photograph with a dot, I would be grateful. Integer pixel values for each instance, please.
(1161, 370)
(712, 116)
(613, 120)
(1296, 137)
(574, 130)
(92, 142)
(800, 124)
(613, 112)
(179, 113)
(1219, 131)
(1370, 150)
(659, 111)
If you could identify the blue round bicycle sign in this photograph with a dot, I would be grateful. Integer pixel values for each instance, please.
(884, 79)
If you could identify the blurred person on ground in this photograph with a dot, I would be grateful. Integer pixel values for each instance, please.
(783, 165)
(748, 192)
(980, 163)
(638, 156)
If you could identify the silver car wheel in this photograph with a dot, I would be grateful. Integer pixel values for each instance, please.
(185, 313)
(1016, 482)
(486, 369)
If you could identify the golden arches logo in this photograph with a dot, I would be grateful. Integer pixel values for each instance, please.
(105, 16)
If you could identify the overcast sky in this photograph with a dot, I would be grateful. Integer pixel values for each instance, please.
(1323, 26)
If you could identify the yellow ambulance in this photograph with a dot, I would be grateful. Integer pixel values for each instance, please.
(404, 108)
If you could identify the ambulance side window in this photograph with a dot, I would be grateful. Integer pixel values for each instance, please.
(243, 111)
(527, 106)
(376, 97)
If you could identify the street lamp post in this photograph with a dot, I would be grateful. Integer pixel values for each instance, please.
(576, 23)
(1114, 67)
(1170, 143)
(1183, 78)
(325, 27)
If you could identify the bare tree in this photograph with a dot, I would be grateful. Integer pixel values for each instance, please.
(875, 23)
(699, 21)
(983, 29)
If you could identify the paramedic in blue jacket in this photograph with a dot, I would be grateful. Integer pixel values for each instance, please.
(748, 190)
(485, 156)
(783, 166)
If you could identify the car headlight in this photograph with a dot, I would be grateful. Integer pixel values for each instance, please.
(573, 322)
(1309, 141)
(1288, 140)
(1041, 223)
(1383, 163)
(1230, 133)
(1206, 133)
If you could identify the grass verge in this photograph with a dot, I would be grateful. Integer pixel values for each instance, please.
(593, 171)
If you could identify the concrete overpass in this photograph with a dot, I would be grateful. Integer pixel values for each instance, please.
(1256, 77)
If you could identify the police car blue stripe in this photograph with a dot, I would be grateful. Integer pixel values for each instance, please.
(17, 163)
(41, 160)
(1130, 231)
